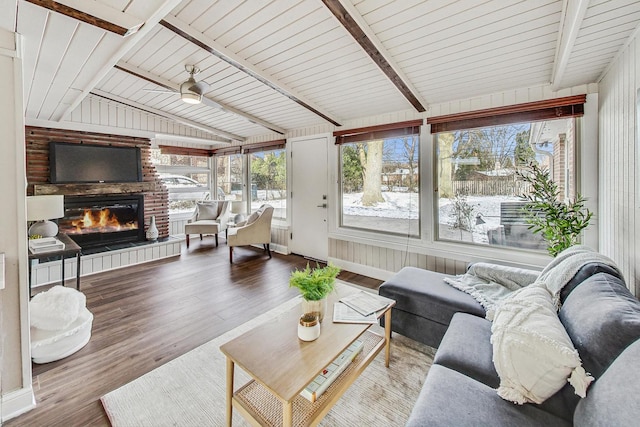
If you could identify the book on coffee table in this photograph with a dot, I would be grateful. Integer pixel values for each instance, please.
(366, 303)
(342, 313)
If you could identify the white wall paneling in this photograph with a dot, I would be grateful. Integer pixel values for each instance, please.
(50, 272)
(619, 210)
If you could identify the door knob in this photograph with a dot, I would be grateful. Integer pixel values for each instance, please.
(324, 205)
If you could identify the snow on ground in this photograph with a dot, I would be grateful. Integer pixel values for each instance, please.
(396, 205)
(400, 205)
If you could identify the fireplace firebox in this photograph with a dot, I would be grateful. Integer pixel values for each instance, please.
(104, 220)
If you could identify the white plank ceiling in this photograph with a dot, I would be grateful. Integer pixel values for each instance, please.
(287, 64)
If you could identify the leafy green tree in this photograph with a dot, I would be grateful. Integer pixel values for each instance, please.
(352, 172)
(523, 153)
(269, 172)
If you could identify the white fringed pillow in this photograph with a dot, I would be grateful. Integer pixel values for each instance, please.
(532, 351)
(56, 309)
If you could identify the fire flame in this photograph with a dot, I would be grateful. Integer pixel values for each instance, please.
(99, 221)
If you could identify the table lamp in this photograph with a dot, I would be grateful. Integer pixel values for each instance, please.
(41, 209)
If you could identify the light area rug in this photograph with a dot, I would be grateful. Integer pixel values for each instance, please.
(190, 390)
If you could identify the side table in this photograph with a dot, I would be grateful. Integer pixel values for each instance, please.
(71, 248)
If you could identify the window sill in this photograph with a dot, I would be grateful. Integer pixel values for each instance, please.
(449, 250)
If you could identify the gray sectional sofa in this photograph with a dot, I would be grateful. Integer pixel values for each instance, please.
(598, 312)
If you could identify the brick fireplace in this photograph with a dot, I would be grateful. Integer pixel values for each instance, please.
(150, 197)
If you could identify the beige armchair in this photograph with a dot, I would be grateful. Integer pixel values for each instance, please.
(255, 230)
(210, 217)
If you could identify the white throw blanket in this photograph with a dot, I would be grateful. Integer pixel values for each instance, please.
(490, 283)
(563, 267)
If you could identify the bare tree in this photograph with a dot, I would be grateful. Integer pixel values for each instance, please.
(371, 161)
(410, 147)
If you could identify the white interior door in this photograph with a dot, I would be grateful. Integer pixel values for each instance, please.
(309, 197)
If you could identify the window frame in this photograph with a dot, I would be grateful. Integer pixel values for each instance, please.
(340, 195)
(586, 163)
(184, 171)
(244, 151)
(250, 184)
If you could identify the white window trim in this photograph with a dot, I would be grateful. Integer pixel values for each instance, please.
(586, 163)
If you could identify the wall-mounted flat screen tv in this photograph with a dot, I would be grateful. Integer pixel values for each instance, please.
(85, 163)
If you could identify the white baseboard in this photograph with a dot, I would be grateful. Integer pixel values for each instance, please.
(16, 403)
(365, 270)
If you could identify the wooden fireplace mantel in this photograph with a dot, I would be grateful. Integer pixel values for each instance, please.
(93, 189)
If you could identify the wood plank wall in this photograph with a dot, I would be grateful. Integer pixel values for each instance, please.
(618, 163)
(99, 112)
(37, 143)
(391, 260)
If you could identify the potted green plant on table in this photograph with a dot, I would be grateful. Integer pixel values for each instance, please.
(559, 223)
(314, 285)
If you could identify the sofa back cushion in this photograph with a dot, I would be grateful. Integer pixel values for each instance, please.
(585, 272)
(602, 318)
(612, 400)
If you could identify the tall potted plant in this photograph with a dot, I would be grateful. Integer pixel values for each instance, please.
(559, 223)
(314, 286)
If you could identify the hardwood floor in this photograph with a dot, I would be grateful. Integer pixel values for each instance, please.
(149, 314)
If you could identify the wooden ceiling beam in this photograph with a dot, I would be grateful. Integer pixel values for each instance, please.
(356, 26)
(94, 13)
(128, 43)
(573, 14)
(157, 80)
(211, 46)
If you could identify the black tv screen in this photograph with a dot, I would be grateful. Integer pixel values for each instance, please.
(78, 163)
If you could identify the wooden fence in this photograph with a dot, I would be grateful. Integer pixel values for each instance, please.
(491, 188)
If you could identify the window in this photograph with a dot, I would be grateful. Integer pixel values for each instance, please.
(479, 179)
(379, 179)
(268, 177)
(229, 177)
(187, 178)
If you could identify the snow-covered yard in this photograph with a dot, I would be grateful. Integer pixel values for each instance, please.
(404, 206)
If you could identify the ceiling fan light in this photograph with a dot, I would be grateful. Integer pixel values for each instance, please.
(191, 98)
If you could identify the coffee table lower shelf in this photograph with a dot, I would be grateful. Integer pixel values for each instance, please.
(261, 407)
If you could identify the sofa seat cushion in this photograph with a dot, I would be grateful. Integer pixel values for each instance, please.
(612, 400)
(424, 293)
(449, 398)
(466, 348)
(602, 318)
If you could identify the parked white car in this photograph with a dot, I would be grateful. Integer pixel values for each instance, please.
(184, 188)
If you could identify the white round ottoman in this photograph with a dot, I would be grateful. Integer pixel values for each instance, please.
(60, 324)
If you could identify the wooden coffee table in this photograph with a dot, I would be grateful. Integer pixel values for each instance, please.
(281, 366)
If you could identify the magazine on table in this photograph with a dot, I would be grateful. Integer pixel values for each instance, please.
(342, 313)
(366, 303)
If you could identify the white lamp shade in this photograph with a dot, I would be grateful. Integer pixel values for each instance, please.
(44, 207)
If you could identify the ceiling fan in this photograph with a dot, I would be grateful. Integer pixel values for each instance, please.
(191, 91)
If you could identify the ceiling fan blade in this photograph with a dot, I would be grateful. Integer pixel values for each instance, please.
(159, 91)
(211, 103)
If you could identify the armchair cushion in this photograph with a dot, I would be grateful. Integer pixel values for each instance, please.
(206, 210)
(252, 218)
